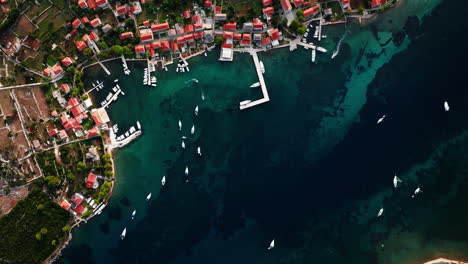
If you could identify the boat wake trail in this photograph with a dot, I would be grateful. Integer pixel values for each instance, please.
(337, 50)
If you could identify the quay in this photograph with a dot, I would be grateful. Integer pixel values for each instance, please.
(124, 61)
(265, 98)
(104, 67)
(124, 142)
(113, 98)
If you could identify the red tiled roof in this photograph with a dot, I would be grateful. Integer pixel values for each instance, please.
(53, 132)
(93, 36)
(101, 2)
(188, 28)
(180, 39)
(65, 87)
(186, 14)
(375, 3)
(77, 110)
(138, 49)
(77, 198)
(208, 3)
(245, 42)
(265, 41)
(198, 26)
(82, 4)
(197, 35)
(175, 46)
(237, 36)
(95, 22)
(90, 180)
(93, 132)
(76, 23)
(80, 45)
(62, 134)
(268, 10)
(46, 72)
(274, 33)
(246, 36)
(162, 26)
(266, 2)
(311, 11)
(257, 23)
(196, 19)
(155, 44)
(73, 102)
(146, 23)
(79, 209)
(228, 34)
(286, 5)
(67, 61)
(188, 37)
(230, 26)
(92, 4)
(57, 69)
(65, 204)
(165, 45)
(146, 36)
(86, 37)
(126, 35)
(227, 46)
(121, 10)
(218, 9)
(298, 2)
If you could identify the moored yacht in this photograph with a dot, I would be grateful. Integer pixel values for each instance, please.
(124, 232)
(183, 144)
(321, 49)
(379, 214)
(163, 180)
(138, 125)
(133, 214)
(381, 119)
(199, 151)
(180, 125)
(396, 180)
(192, 130)
(148, 197)
(257, 84)
(314, 55)
(446, 106)
(262, 67)
(196, 110)
(272, 244)
(186, 171)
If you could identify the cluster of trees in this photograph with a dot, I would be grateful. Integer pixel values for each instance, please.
(297, 27)
(31, 231)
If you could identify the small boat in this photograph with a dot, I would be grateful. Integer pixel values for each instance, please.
(196, 110)
(186, 171)
(379, 214)
(127, 134)
(203, 96)
(116, 80)
(165, 68)
(396, 180)
(417, 191)
(177, 69)
(148, 197)
(245, 102)
(257, 84)
(124, 232)
(187, 68)
(192, 130)
(184, 137)
(180, 125)
(324, 36)
(199, 151)
(133, 214)
(183, 144)
(182, 69)
(262, 67)
(132, 129)
(163, 180)
(272, 244)
(321, 49)
(381, 119)
(314, 55)
(138, 125)
(205, 54)
(114, 89)
(122, 92)
(446, 106)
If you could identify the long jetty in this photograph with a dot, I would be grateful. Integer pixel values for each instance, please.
(265, 98)
(104, 67)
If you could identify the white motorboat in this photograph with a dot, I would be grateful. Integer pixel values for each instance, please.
(446, 106)
(122, 92)
(184, 137)
(180, 125)
(138, 125)
(148, 197)
(163, 180)
(199, 151)
(187, 68)
(324, 36)
(133, 214)
(186, 171)
(192, 130)
(381, 119)
(314, 55)
(416, 192)
(177, 69)
(124, 232)
(321, 49)
(262, 67)
(196, 110)
(379, 214)
(183, 144)
(114, 89)
(272, 244)
(127, 134)
(257, 84)
(182, 69)
(396, 180)
(206, 54)
(203, 96)
(132, 129)
(245, 102)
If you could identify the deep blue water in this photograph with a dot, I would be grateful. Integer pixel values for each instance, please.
(301, 168)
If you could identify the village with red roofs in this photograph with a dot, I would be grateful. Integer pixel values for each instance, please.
(57, 138)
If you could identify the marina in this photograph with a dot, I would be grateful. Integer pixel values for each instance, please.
(247, 104)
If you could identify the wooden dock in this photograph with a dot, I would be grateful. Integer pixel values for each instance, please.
(265, 98)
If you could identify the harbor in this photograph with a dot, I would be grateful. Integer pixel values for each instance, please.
(261, 80)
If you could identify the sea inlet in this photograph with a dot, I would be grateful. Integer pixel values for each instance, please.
(311, 168)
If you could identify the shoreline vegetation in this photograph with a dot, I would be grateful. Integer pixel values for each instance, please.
(70, 146)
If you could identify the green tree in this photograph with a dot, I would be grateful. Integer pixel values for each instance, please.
(53, 242)
(218, 40)
(88, 52)
(80, 166)
(66, 228)
(43, 231)
(117, 50)
(52, 181)
(38, 236)
(40, 206)
(71, 176)
(300, 15)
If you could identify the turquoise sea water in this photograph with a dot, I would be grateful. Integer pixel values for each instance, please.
(310, 168)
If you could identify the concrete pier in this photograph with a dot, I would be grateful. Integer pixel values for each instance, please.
(265, 98)
(104, 68)
(124, 61)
